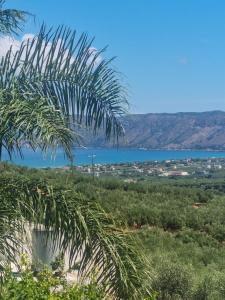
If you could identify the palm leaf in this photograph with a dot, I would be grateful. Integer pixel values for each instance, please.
(11, 20)
(82, 228)
(72, 76)
(35, 123)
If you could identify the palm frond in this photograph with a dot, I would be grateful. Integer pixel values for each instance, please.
(84, 230)
(74, 78)
(11, 20)
(35, 123)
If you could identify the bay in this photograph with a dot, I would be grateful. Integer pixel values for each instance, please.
(107, 156)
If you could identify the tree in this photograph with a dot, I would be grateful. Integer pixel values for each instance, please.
(11, 20)
(70, 75)
(78, 226)
(33, 122)
(53, 82)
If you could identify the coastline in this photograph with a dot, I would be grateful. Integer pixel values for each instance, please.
(106, 156)
(150, 149)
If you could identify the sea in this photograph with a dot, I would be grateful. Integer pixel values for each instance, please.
(84, 156)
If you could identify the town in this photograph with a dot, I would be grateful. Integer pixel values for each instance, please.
(190, 168)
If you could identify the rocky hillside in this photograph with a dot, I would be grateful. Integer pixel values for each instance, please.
(204, 130)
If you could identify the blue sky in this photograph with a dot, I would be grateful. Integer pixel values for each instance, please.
(172, 53)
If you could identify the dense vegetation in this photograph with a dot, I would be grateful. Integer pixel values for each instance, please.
(51, 82)
(180, 226)
(46, 285)
(77, 225)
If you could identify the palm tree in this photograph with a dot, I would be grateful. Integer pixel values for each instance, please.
(11, 20)
(53, 82)
(34, 123)
(70, 75)
(76, 225)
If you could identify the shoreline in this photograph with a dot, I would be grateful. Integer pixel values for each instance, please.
(149, 149)
(110, 156)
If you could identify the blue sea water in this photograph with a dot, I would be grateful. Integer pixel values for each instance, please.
(107, 156)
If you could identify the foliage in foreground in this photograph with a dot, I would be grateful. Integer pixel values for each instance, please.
(46, 285)
(184, 243)
(66, 74)
(34, 122)
(79, 225)
(11, 20)
(53, 83)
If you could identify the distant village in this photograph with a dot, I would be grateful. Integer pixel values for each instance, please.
(214, 167)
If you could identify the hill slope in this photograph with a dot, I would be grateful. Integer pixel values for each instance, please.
(204, 130)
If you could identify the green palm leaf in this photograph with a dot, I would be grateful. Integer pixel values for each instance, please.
(33, 122)
(70, 75)
(82, 228)
(11, 20)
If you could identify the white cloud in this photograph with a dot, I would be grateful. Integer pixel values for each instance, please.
(7, 41)
(28, 36)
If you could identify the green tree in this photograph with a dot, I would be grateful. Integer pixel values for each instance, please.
(11, 20)
(54, 82)
(66, 72)
(74, 224)
(33, 122)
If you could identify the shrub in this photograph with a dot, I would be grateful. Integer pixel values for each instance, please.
(45, 285)
(194, 220)
(172, 282)
(206, 290)
(218, 232)
(171, 220)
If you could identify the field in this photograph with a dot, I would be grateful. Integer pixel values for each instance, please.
(180, 225)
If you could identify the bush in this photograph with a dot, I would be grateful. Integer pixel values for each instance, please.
(171, 220)
(172, 282)
(46, 285)
(206, 289)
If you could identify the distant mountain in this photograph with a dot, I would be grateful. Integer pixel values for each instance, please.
(205, 130)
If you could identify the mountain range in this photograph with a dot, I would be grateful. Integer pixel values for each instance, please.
(184, 130)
